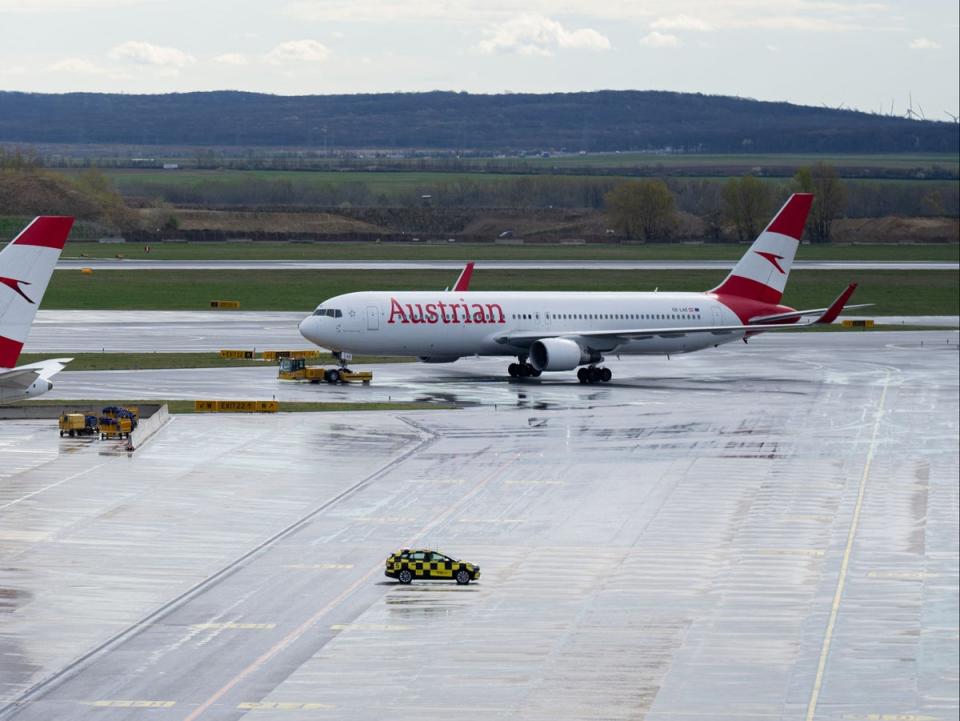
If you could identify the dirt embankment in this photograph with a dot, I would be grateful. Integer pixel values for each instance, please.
(536, 225)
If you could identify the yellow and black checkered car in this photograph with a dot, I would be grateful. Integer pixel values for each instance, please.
(422, 563)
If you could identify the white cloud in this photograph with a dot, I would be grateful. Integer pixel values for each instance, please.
(232, 59)
(682, 22)
(539, 35)
(298, 51)
(924, 44)
(142, 53)
(78, 66)
(660, 40)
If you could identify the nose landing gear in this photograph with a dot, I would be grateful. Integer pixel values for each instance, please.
(594, 374)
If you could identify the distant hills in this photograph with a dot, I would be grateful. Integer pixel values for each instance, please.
(589, 121)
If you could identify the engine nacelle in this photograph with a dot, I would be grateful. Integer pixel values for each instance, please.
(559, 354)
(438, 358)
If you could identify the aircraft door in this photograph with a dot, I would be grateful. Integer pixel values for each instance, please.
(373, 317)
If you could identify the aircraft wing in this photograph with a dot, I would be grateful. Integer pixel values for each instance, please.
(757, 325)
(525, 338)
(827, 315)
(24, 376)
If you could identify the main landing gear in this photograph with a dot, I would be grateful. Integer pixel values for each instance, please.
(593, 374)
(522, 370)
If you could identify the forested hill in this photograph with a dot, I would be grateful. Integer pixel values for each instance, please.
(594, 121)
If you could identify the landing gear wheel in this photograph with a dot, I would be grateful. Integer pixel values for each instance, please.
(525, 369)
(513, 369)
(463, 577)
(583, 375)
(534, 372)
(605, 375)
(405, 576)
(594, 374)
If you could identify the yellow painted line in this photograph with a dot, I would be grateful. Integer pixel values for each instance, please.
(283, 706)
(715, 714)
(535, 483)
(132, 703)
(385, 519)
(444, 481)
(318, 566)
(490, 520)
(24, 536)
(368, 627)
(845, 563)
(812, 552)
(234, 626)
(888, 717)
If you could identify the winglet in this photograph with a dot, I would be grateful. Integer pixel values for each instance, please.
(463, 282)
(833, 311)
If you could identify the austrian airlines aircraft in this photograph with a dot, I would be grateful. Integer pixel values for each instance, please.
(556, 331)
(26, 265)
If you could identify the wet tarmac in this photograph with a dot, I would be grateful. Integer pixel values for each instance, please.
(117, 331)
(756, 532)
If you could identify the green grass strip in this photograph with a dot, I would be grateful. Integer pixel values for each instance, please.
(894, 292)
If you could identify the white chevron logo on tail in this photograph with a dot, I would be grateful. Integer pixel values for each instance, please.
(762, 272)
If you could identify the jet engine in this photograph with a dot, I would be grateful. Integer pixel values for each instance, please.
(559, 354)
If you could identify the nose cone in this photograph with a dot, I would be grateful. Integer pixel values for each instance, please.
(308, 328)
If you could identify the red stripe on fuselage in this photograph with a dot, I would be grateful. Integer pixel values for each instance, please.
(9, 352)
(747, 308)
(47, 231)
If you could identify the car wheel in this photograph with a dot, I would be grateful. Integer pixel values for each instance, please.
(405, 576)
(463, 577)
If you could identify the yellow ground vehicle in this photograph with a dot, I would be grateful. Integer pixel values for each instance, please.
(296, 369)
(117, 422)
(406, 565)
(115, 427)
(78, 424)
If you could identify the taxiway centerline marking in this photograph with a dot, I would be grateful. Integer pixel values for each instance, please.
(845, 563)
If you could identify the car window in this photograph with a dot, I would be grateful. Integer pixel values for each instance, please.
(439, 557)
(418, 556)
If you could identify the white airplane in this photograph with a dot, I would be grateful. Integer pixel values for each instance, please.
(560, 331)
(26, 265)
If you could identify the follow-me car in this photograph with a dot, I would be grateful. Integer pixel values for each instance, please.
(406, 565)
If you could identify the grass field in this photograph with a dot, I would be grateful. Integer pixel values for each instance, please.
(466, 251)
(893, 292)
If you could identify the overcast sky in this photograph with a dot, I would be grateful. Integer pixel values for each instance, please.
(863, 55)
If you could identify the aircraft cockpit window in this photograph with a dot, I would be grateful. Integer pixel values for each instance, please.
(320, 311)
(329, 312)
